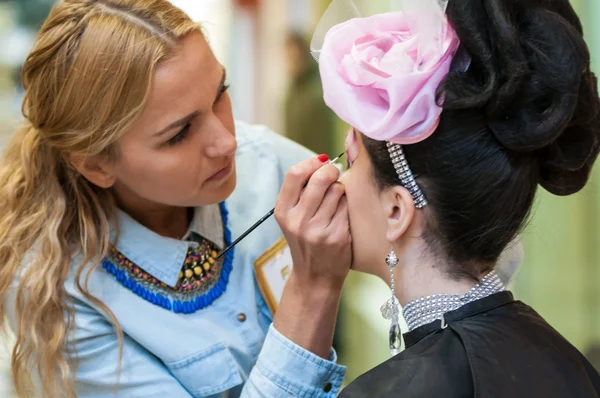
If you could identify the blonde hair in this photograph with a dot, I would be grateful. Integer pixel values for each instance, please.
(86, 81)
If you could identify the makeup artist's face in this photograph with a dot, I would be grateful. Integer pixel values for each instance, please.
(181, 151)
(367, 219)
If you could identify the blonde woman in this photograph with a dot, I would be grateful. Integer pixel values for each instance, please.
(115, 197)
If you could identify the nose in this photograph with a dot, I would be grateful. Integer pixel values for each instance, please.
(222, 142)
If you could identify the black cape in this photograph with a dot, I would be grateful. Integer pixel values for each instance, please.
(493, 347)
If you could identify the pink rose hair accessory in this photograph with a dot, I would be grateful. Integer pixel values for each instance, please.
(381, 69)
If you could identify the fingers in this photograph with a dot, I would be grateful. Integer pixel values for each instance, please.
(338, 229)
(294, 182)
(312, 198)
(330, 203)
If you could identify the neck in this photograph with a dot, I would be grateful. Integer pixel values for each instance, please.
(169, 221)
(418, 275)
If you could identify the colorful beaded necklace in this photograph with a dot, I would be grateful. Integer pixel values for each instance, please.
(202, 280)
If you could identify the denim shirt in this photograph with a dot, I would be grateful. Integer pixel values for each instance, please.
(229, 349)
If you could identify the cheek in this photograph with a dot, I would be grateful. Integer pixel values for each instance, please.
(168, 175)
(367, 223)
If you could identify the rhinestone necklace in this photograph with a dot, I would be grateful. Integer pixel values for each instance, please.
(425, 310)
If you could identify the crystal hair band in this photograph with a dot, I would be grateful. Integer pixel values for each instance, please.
(407, 179)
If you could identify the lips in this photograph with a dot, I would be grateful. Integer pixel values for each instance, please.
(224, 172)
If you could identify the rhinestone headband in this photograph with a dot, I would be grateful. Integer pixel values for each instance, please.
(407, 179)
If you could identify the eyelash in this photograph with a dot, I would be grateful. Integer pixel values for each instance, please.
(184, 132)
(223, 90)
(179, 136)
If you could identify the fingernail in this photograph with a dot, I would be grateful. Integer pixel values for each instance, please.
(323, 158)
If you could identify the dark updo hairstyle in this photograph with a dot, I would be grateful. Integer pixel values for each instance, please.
(524, 113)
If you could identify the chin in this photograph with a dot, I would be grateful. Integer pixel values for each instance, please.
(369, 267)
(229, 186)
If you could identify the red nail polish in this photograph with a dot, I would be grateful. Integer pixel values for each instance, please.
(323, 158)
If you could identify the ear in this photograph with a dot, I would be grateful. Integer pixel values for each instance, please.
(96, 169)
(399, 210)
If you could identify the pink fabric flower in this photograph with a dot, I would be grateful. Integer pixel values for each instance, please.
(381, 77)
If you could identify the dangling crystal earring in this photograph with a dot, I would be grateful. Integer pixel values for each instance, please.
(391, 308)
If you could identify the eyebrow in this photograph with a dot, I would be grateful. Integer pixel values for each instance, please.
(186, 119)
(178, 123)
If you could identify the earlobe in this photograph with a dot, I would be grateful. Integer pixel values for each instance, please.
(399, 211)
(95, 169)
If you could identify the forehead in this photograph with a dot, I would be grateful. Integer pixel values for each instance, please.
(183, 83)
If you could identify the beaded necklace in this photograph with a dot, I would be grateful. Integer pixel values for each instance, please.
(425, 310)
(202, 280)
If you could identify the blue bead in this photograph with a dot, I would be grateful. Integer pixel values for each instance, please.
(168, 305)
(176, 306)
(198, 302)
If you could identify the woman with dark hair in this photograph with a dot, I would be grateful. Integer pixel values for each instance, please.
(459, 110)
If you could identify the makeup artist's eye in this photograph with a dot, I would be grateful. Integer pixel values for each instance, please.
(179, 136)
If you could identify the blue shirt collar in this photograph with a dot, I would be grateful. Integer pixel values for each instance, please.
(160, 256)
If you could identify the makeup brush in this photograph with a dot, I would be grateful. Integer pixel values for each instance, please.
(262, 220)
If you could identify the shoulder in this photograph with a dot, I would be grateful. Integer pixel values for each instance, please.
(516, 348)
(260, 142)
(262, 159)
(435, 366)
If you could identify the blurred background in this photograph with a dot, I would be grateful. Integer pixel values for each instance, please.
(264, 45)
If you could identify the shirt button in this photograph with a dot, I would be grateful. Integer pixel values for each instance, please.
(241, 317)
(327, 387)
